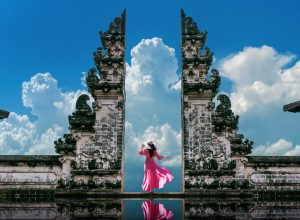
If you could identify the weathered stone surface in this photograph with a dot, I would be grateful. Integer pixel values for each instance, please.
(65, 209)
(208, 132)
(240, 210)
(24, 176)
(30, 160)
(83, 119)
(28, 178)
(99, 149)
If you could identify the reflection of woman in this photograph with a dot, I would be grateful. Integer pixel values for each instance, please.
(154, 175)
(156, 211)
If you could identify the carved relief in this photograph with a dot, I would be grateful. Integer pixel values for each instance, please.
(27, 178)
(275, 178)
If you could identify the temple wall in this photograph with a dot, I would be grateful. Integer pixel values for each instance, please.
(268, 175)
(25, 177)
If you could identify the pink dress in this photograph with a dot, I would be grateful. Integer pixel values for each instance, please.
(156, 211)
(154, 175)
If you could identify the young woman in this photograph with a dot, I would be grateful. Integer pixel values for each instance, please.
(154, 175)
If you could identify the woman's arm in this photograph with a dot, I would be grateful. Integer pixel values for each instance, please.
(141, 151)
(159, 157)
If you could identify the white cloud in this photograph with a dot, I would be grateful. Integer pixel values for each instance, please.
(261, 79)
(150, 97)
(168, 143)
(279, 148)
(44, 144)
(293, 152)
(20, 135)
(152, 63)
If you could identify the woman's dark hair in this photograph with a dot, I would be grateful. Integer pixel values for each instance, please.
(151, 151)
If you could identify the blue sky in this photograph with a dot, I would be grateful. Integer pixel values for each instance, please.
(255, 46)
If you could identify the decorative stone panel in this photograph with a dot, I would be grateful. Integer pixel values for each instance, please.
(28, 178)
(275, 178)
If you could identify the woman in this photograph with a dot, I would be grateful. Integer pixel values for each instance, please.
(154, 175)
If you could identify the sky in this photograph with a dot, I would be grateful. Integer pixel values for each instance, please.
(46, 49)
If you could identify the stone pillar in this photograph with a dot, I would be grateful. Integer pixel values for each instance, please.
(98, 132)
(208, 133)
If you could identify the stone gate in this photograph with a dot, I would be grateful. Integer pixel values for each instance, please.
(91, 156)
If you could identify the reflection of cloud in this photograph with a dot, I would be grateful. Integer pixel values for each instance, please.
(20, 135)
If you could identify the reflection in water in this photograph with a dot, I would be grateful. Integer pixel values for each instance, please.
(212, 208)
(156, 211)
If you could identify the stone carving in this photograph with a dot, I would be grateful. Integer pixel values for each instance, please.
(92, 79)
(99, 133)
(209, 135)
(223, 118)
(66, 146)
(27, 178)
(83, 119)
(275, 178)
(239, 146)
(110, 63)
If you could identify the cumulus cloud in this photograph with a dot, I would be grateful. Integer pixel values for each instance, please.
(261, 79)
(152, 109)
(150, 96)
(152, 63)
(293, 152)
(20, 135)
(168, 143)
(279, 148)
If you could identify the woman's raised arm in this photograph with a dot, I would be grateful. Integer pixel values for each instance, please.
(141, 151)
(159, 157)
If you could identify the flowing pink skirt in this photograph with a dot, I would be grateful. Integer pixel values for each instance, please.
(155, 176)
